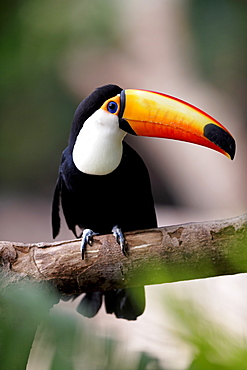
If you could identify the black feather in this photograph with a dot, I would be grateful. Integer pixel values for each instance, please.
(55, 210)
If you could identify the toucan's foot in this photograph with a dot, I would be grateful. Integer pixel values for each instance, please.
(87, 238)
(117, 232)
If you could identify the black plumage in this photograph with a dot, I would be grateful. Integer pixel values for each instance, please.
(122, 197)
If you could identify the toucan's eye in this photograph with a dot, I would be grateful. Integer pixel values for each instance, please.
(112, 107)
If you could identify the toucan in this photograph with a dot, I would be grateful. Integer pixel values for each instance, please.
(103, 184)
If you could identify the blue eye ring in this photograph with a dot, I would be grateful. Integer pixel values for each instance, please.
(112, 107)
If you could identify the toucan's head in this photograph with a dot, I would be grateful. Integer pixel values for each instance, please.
(102, 120)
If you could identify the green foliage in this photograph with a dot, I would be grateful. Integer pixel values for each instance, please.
(22, 308)
(64, 341)
(214, 346)
(220, 34)
(36, 35)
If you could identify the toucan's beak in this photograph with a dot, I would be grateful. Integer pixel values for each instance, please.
(149, 113)
(153, 114)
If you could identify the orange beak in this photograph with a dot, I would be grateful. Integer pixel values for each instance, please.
(148, 113)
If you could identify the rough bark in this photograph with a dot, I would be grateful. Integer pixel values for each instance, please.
(167, 254)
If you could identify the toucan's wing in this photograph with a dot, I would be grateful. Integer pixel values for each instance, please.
(55, 208)
(64, 195)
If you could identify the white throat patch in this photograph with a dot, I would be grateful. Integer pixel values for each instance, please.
(98, 147)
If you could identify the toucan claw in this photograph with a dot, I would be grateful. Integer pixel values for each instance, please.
(120, 239)
(87, 238)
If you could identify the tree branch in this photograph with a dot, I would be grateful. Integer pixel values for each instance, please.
(167, 254)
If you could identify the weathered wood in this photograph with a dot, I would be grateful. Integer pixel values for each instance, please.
(166, 254)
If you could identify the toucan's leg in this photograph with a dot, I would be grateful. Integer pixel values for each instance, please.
(117, 232)
(87, 238)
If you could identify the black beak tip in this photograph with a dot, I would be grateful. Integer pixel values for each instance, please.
(233, 151)
(221, 138)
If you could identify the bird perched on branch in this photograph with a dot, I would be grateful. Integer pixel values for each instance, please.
(103, 184)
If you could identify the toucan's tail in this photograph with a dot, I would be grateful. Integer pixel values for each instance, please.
(124, 303)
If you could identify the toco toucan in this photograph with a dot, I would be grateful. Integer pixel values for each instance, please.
(104, 185)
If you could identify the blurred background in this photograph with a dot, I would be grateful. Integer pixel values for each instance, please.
(54, 53)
